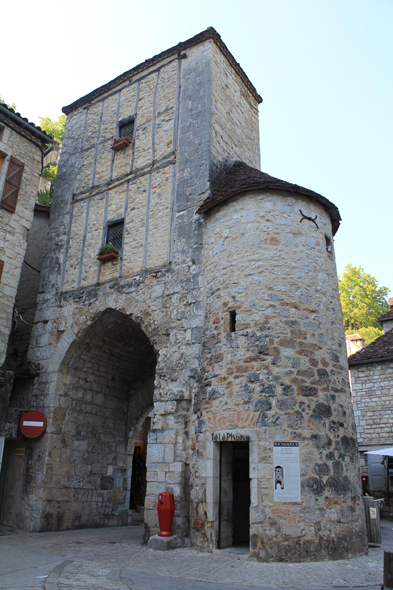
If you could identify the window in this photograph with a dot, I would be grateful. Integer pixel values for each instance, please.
(230, 321)
(114, 234)
(12, 184)
(126, 128)
(329, 245)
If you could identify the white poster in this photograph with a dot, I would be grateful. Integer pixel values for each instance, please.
(286, 472)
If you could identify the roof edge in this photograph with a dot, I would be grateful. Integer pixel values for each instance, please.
(26, 124)
(385, 317)
(380, 359)
(209, 33)
(263, 182)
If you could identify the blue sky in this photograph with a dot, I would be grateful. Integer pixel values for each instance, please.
(323, 67)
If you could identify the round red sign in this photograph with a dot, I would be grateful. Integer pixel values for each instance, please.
(32, 424)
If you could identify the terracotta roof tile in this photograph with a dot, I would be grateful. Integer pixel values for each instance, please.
(380, 349)
(23, 121)
(240, 178)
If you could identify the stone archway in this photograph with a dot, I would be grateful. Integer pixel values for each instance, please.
(105, 387)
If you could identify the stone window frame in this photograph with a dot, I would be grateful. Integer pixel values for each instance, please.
(125, 122)
(111, 223)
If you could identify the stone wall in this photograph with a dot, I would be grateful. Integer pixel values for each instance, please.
(235, 122)
(14, 226)
(163, 313)
(26, 298)
(281, 375)
(156, 185)
(372, 392)
(134, 184)
(22, 373)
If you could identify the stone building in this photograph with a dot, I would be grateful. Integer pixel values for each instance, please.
(22, 146)
(20, 373)
(371, 374)
(371, 371)
(220, 314)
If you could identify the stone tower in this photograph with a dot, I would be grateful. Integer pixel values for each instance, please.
(219, 317)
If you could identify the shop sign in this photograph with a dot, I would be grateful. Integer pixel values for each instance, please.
(230, 437)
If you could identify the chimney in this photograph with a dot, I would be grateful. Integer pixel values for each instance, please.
(390, 301)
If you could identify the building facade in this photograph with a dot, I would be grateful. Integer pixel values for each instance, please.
(22, 145)
(218, 315)
(371, 373)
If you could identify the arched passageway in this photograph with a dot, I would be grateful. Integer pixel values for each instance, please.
(105, 387)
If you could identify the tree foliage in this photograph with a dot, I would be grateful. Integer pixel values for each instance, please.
(54, 127)
(362, 301)
(10, 105)
(44, 198)
(49, 172)
(369, 334)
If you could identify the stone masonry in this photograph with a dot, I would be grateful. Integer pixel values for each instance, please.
(281, 374)
(372, 391)
(26, 143)
(220, 314)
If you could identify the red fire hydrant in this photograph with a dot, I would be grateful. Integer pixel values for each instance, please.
(166, 510)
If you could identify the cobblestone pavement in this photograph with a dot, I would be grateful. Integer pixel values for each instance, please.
(115, 559)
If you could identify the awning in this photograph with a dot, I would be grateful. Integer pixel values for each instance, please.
(385, 452)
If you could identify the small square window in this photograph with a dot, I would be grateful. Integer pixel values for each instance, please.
(126, 128)
(114, 234)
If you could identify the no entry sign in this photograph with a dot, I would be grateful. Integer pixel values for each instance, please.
(32, 424)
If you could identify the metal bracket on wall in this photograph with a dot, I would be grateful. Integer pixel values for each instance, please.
(314, 220)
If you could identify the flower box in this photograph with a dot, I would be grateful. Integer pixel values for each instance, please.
(120, 144)
(106, 256)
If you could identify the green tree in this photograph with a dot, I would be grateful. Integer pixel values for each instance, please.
(369, 334)
(44, 198)
(362, 301)
(11, 105)
(54, 127)
(50, 173)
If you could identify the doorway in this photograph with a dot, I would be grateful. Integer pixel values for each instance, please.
(105, 388)
(234, 491)
(138, 476)
(12, 477)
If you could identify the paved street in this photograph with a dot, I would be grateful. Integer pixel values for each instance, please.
(115, 559)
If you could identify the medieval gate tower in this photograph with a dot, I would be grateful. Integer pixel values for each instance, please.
(220, 317)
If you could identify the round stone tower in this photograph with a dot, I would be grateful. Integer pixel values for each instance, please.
(276, 459)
